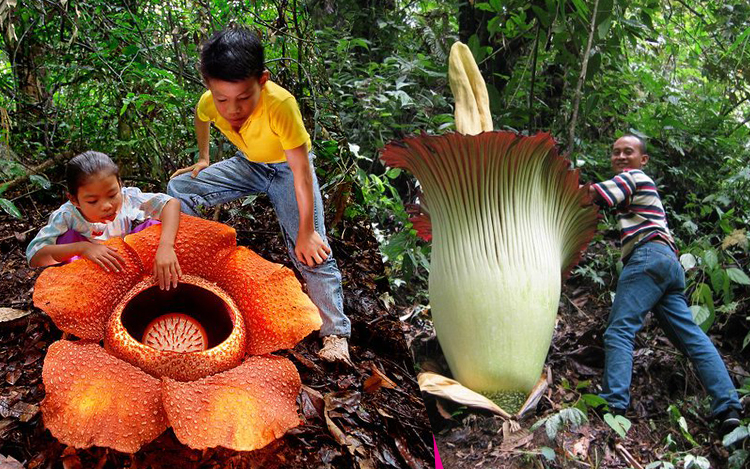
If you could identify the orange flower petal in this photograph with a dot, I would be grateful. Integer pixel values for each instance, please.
(80, 296)
(196, 245)
(242, 409)
(92, 398)
(278, 314)
(186, 366)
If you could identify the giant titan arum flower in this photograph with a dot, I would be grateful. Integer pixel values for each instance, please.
(506, 219)
(195, 358)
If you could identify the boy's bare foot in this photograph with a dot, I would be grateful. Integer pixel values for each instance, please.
(335, 349)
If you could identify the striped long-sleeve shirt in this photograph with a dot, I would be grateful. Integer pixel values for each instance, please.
(640, 214)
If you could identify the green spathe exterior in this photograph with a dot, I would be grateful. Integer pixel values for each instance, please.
(507, 218)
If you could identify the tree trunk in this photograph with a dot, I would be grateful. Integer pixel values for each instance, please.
(579, 86)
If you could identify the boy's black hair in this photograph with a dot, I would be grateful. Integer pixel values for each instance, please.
(232, 54)
(641, 140)
(85, 165)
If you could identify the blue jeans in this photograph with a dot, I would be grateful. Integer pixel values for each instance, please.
(237, 177)
(653, 280)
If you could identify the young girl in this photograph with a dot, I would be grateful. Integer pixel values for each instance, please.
(99, 208)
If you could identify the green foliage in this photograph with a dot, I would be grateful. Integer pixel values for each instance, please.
(548, 453)
(619, 423)
(660, 465)
(737, 459)
(676, 418)
(738, 434)
(10, 208)
(569, 416)
(696, 462)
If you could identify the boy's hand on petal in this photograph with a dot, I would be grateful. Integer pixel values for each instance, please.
(192, 169)
(311, 249)
(105, 257)
(166, 267)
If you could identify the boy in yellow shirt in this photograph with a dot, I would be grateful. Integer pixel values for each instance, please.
(263, 120)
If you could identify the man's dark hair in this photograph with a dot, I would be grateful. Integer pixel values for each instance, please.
(85, 165)
(641, 140)
(232, 54)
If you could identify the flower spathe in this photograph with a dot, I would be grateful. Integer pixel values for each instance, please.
(506, 218)
(124, 395)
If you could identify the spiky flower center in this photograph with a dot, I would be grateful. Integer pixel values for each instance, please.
(176, 332)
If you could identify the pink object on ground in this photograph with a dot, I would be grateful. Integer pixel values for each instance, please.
(438, 463)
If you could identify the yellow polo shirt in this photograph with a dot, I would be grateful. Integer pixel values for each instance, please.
(274, 126)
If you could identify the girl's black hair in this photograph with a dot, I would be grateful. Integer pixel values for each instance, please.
(232, 54)
(85, 165)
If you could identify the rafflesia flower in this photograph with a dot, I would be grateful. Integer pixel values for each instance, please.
(195, 357)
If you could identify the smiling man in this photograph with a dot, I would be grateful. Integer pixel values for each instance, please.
(652, 279)
(263, 120)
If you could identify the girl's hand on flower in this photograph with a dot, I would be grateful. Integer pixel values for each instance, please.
(104, 256)
(166, 267)
(311, 249)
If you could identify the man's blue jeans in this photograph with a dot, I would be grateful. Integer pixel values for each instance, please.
(237, 177)
(653, 280)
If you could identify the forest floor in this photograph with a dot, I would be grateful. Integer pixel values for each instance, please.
(345, 422)
(662, 377)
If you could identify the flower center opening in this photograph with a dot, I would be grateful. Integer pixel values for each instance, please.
(184, 319)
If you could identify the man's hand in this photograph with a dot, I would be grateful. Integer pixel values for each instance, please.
(166, 267)
(194, 169)
(104, 256)
(311, 249)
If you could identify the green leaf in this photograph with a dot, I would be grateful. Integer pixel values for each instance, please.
(10, 208)
(603, 29)
(702, 316)
(484, 6)
(738, 434)
(710, 259)
(737, 42)
(393, 173)
(737, 459)
(592, 400)
(40, 181)
(359, 42)
(738, 276)
(581, 9)
(746, 341)
(688, 261)
(548, 453)
(476, 50)
(542, 15)
(705, 295)
(699, 462)
(619, 423)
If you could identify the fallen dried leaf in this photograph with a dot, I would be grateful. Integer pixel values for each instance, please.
(11, 314)
(377, 380)
(443, 413)
(338, 400)
(514, 436)
(440, 386)
(12, 376)
(403, 449)
(580, 448)
(23, 411)
(9, 462)
(312, 403)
